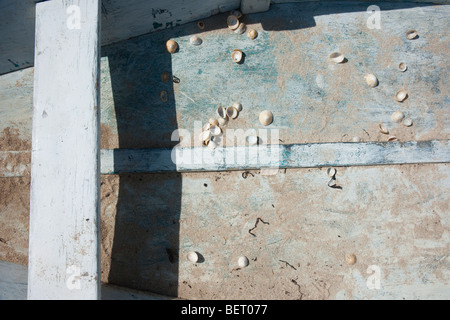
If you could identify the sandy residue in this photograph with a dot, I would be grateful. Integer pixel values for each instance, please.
(10, 140)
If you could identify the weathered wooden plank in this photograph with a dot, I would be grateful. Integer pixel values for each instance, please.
(64, 198)
(273, 156)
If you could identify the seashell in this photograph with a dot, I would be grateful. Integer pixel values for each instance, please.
(266, 117)
(356, 139)
(195, 40)
(383, 129)
(201, 25)
(213, 122)
(392, 138)
(222, 121)
(402, 67)
(215, 130)
(232, 112)
(252, 140)
(252, 34)
(407, 122)
(237, 55)
(243, 262)
(237, 106)
(411, 34)
(401, 95)
(206, 126)
(350, 259)
(397, 116)
(241, 29)
(192, 256)
(221, 112)
(337, 57)
(164, 96)
(332, 183)
(232, 22)
(371, 80)
(205, 135)
(331, 172)
(165, 76)
(236, 13)
(171, 46)
(212, 144)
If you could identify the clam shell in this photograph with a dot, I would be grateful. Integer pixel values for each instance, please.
(237, 106)
(222, 121)
(195, 40)
(371, 80)
(201, 25)
(407, 122)
(331, 172)
(243, 262)
(397, 116)
(212, 144)
(237, 55)
(236, 13)
(241, 29)
(252, 140)
(232, 112)
(356, 139)
(205, 135)
(402, 66)
(171, 46)
(164, 96)
(221, 112)
(401, 95)
(232, 22)
(411, 34)
(392, 138)
(215, 130)
(337, 57)
(383, 129)
(206, 126)
(350, 259)
(266, 117)
(192, 256)
(252, 34)
(213, 122)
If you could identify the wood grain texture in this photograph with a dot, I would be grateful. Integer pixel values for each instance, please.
(64, 197)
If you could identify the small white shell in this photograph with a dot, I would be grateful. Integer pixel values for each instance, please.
(222, 121)
(397, 116)
(232, 112)
(241, 29)
(350, 259)
(392, 138)
(402, 66)
(232, 22)
(201, 25)
(411, 34)
(331, 172)
(332, 182)
(212, 144)
(356, 139)
(206, 126)
(252, 34)
(221, 112)
(213, 122)
(252, 140)
(171, 46)
(266, 117)
(337, 57)
(195, 40)
(237, 106)
(205, 135)
(243, 262)
(383, 129)
(401, 95)
(236, 13)
(215, 130)
(371, 80)
(192, 256)
(237, 55)
(407, 122)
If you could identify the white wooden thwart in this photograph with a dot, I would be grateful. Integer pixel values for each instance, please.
(64, 197)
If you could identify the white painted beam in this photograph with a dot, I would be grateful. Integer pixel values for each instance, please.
(64, 199)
